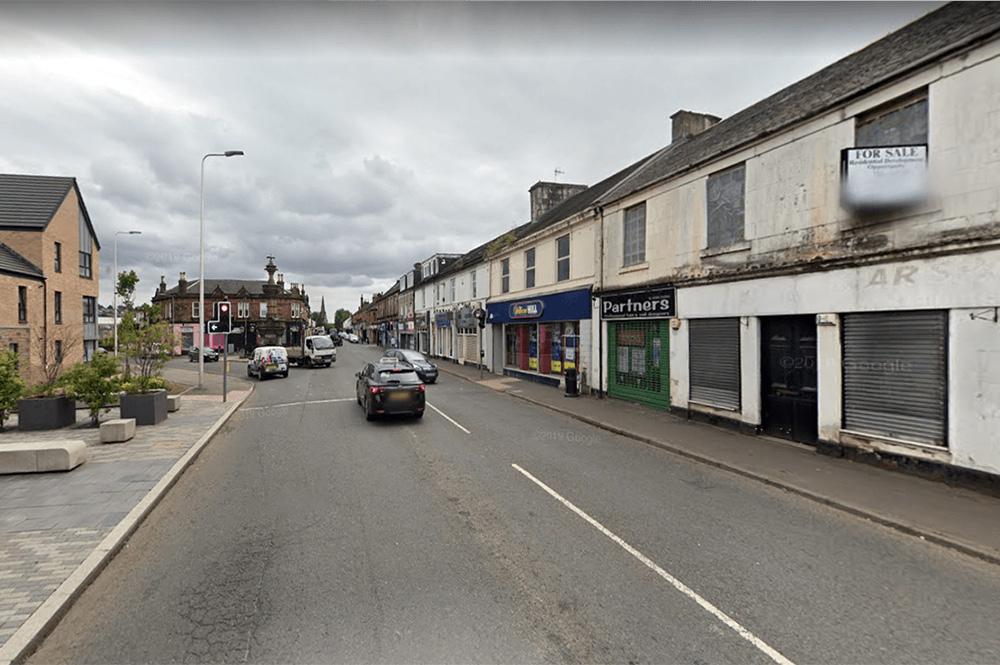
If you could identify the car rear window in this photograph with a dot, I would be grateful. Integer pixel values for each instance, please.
(403, 377)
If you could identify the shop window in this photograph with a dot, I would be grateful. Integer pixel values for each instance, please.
(562, 258)
(635, 235)
(725, 193)
(505, 276)
(529, 268)
(902, 122)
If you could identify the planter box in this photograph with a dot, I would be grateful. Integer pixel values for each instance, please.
(147, 408)
(34, 413)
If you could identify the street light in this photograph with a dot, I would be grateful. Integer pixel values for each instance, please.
(115, 282)
(201, 281)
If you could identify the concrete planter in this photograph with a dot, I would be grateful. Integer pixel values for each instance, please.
(147, 408)
(35, 413)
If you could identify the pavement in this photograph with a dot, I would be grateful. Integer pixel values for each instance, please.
(58, 530)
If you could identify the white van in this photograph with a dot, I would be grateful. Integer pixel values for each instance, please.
(268, 361)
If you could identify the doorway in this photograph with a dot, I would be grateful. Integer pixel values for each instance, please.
(788, 378)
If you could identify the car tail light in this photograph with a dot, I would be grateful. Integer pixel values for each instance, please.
(375, 390)
(421, 387)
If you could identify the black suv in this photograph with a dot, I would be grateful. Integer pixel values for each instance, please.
(388, 386)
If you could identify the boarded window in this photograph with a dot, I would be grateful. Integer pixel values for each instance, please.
(904, 122)
(726, 206)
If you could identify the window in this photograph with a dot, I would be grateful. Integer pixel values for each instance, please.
(22, 304)
(505, 276)
(472, 278)
(58, 257)
(243, 310)
(263, 310)
(86, 247)
(902, 122)
(451, 289)
(562, 258)
(89, 309)
(57, 306)
(58, 351)
(725, 193)
(296, 310)
(635, 235)
(529, 268)
(14, 347)
(194, 311)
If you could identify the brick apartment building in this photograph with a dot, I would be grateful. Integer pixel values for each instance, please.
(48, 273)
(267, 312)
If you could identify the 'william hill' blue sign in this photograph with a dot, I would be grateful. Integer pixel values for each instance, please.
(527, 309)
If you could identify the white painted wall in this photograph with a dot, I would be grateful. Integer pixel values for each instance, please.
(974, 388)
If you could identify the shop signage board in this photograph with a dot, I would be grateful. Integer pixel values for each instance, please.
(653, 303)
(528, 309)
(566, 306)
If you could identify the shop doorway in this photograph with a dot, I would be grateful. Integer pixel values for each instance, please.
(788, 378)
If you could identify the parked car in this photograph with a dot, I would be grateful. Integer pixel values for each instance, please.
(387, 387)
(268, 361)
(336, 339)
(425, 369)
(211, 355)
(353, 339)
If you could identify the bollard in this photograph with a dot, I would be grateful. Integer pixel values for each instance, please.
(571, 390)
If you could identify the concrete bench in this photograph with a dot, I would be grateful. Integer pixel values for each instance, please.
(118, 430)
(42, 456)
(173, 403)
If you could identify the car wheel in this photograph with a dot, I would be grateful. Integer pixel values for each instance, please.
(248, 371)
(369, 416)
(328, 364)
(284, 374)
(419, 414)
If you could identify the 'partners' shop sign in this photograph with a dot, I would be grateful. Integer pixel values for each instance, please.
(653, 303)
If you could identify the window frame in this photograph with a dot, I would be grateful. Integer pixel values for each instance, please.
(89, 309)
(872, 122)
(57, 307)
(22, 304)
(636, 254)
(720, 228)
(562, 260)
(58, 257)
(529, 268)
(505, 275)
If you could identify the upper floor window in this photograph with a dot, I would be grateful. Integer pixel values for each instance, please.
(263, 310)
(562, 258)
(725, 192)
(529, 268)
(89, 309)
(194, 311)
(58, 351)
(57, 306)
(22, 304)
(472, 279)
(901, 122)
(505, 276)
(635, 235)
(243, 310)
(58, 261)
(451, 289)
(86, 248)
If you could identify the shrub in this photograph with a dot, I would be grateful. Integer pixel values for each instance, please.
(11, 385)
(95, 383)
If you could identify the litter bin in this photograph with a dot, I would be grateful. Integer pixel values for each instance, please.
(571, 390)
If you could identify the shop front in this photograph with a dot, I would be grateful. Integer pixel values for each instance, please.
(638, 329)
(542, 335)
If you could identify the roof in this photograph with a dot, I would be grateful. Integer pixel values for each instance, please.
(14, 264)
(28, 202)
(951, 28)
(254, 287)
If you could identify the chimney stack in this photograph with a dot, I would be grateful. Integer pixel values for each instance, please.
(182, 284)
(688, 123)
(547, 195)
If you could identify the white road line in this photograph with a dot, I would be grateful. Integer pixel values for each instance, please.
(315, 401)
(677, 584)
(448, 419)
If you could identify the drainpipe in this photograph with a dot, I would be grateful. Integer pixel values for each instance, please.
(600, 321)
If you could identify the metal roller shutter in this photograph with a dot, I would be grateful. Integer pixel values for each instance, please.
(895, 375)
(715, 362)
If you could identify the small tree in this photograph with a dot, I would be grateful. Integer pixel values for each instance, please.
(125, 288)
(11, 385)
(54, 352)
(95, 383)
(147, 345)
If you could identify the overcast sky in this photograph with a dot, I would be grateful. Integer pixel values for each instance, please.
(376, 134)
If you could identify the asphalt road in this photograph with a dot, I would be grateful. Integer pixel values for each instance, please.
(495, 531)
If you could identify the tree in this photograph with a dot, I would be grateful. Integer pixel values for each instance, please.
(127, 281)
(95, 383)
(339, 317)
(11, 385)
(54, 352)
(147, 345)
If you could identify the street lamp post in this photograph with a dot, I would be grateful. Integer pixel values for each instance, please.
(201, 281)
(114, 282)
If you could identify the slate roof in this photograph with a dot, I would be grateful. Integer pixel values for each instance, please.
(13, 263)
(928, 39)
(254, 287)
(28, 202)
